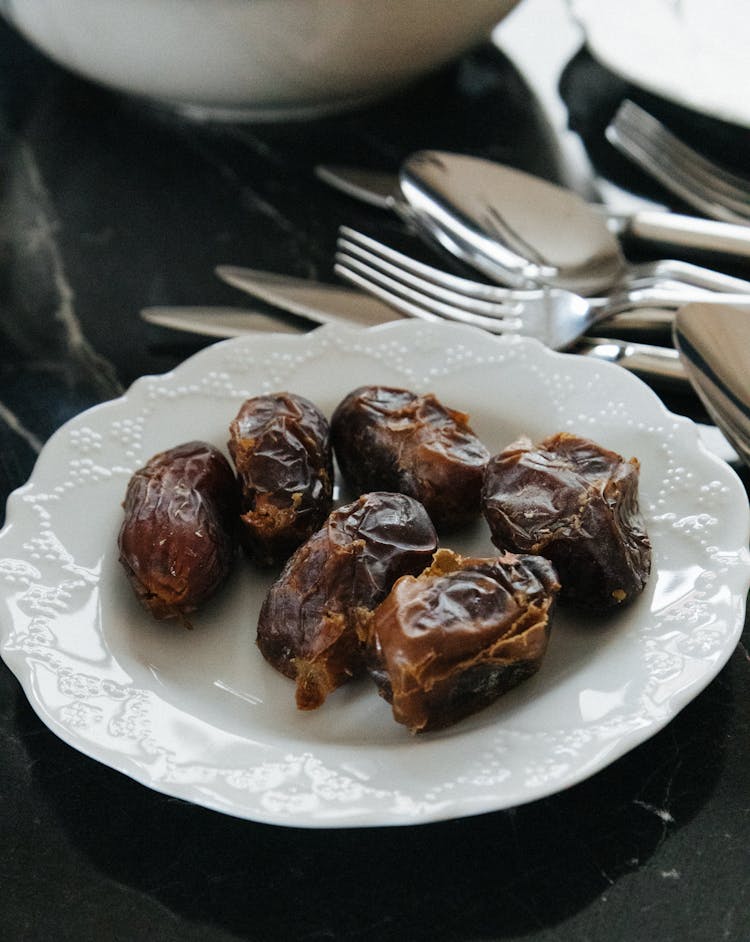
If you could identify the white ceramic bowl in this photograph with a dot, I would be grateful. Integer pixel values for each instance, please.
(272, 58)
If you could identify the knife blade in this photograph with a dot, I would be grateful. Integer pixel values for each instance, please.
(219, 321)
(321, 303)
(381, 189)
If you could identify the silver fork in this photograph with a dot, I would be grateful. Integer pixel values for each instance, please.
(554, 316)
(711, 189)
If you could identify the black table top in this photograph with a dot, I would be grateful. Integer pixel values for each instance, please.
(109, 205)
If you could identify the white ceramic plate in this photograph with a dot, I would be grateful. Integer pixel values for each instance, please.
(201, 716)
(693, 52)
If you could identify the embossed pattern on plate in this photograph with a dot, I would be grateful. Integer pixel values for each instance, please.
(199, 715)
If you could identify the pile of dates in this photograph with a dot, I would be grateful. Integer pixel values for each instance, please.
(366, 588)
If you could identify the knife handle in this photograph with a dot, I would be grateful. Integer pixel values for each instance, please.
(654, 364)
(691, 232)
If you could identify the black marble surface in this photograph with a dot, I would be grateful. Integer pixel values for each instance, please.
(106, 206)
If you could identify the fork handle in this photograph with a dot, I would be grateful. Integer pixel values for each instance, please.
(690, 232)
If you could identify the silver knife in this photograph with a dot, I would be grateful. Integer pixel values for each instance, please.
(321, 303)
(381, 189)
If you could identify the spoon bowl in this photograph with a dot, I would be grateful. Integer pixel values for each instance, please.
(500, 218)
(520, 230)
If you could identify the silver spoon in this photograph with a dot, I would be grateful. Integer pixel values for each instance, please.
(519, 229)
(714, 345)
(380, 189)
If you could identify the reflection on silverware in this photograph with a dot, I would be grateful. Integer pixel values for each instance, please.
(518, 229)
(714, 344)
(555, 317)
(699, 182)
(382, 191)
(652, 363)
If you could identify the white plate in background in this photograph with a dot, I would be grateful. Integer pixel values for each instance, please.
(692, 52)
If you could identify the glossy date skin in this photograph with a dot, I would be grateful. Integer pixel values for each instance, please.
(178, 539)
(311, 620)
(451, 641)
(280, 444)
(392, 439)
(576, 503)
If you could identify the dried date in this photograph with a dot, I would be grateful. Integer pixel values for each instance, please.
(576, 503)
(177, 540)
(392, 439)
(280, 444)
(310, 623)
(449, 642)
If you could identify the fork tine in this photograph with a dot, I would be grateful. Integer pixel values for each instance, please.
(722, 178)
(425, 286)
(341, 268)
(661, 163)
(465, 286)
(555, 318)
(682, 185)
(410, 301)
(691, 176)
(714, 184)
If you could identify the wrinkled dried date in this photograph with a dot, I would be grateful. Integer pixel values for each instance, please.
(177, 540)
(452, 640)
(310, 620)
(576, 503)
(392, 439)
(280, 445)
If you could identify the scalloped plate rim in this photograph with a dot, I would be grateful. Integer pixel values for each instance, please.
(453, 806)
